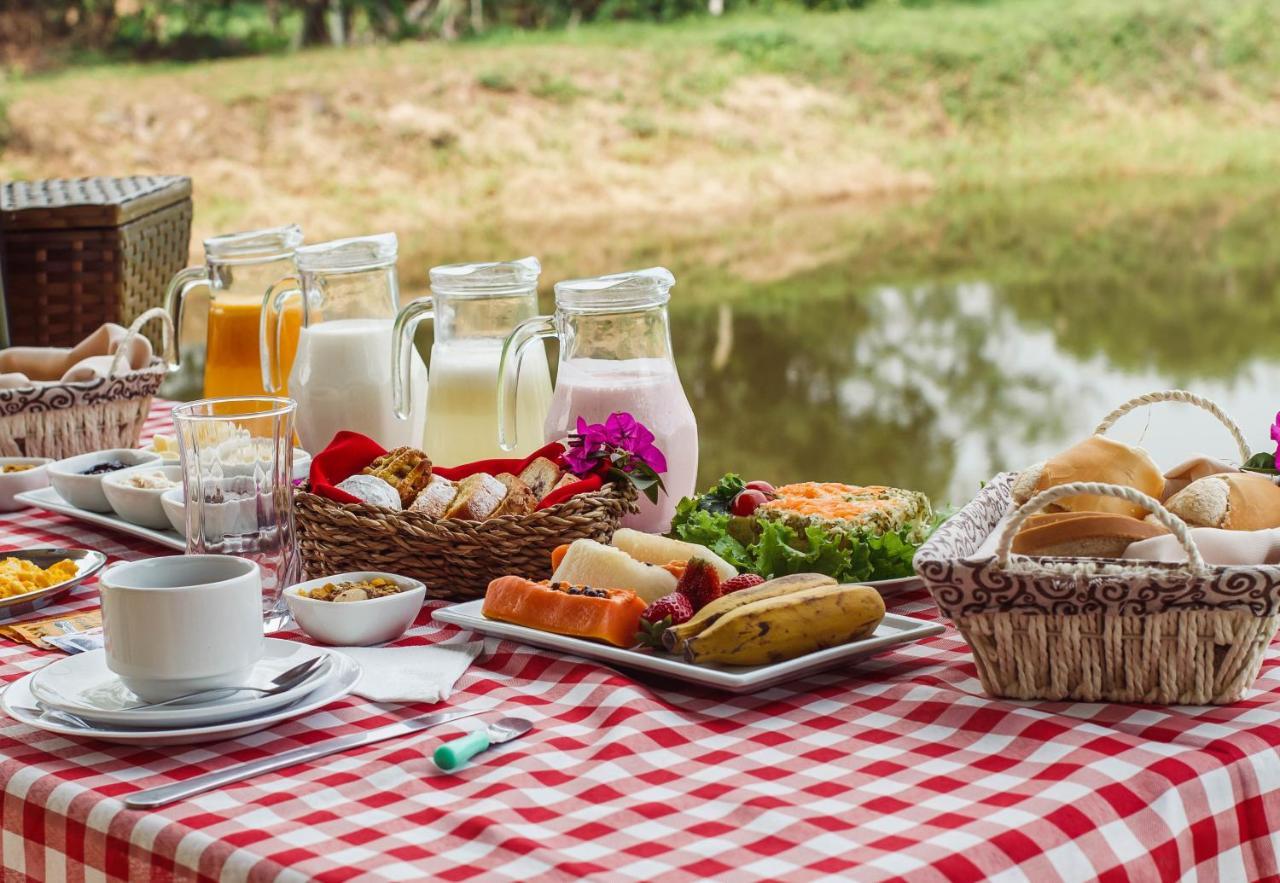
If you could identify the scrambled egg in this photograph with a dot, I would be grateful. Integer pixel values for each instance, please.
(18, 576)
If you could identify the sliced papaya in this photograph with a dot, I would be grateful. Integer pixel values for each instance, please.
(609, 615)
(557, 555)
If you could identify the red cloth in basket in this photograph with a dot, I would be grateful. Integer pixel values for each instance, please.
(349, 452)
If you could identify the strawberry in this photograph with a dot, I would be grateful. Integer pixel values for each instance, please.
(741, 581)
(700, 584)
(667, 611)
(675, 607)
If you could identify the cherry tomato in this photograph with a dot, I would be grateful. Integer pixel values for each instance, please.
(748, 501)
(763, 486)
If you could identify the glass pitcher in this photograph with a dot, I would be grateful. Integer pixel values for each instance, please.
(341, 377)
(473, 308)
(615, 355)
(238, 267)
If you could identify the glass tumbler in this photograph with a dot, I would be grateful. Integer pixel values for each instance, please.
(237, 476)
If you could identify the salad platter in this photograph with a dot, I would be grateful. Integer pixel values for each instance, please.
(892, 631)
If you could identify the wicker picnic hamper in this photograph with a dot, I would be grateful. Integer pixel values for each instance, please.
(64, 419)
(1091, 629)
(78, 253)
(455, 558)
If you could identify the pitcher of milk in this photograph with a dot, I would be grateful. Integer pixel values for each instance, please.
(473, 307)
(615, 355)
(238, 266)
(341, 377)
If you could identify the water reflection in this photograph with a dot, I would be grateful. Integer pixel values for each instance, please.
(939, 387)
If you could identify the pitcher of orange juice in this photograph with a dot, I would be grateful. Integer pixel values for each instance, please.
(238, 268)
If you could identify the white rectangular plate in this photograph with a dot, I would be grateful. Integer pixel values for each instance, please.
(893, 630)
(47, 498)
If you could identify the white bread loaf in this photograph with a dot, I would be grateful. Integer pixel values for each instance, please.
(1095, 459)
(1229, 500)
(1082, 534)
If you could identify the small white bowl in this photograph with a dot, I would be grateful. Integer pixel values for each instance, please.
(174, 503)
(301, 461)
(356, 623)
(85, 491)
(140, 505)
(12, 483)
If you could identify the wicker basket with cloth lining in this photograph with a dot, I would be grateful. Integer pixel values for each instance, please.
(64, 419)
(81, 252)
(1095, 629)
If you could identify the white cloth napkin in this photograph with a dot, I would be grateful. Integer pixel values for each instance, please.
(411, 674)
(1216, 547)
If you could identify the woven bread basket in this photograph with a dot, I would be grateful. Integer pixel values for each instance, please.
(1100, 630)
(456, 559)
(64, 419)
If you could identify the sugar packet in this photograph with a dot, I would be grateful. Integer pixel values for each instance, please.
(68, 632)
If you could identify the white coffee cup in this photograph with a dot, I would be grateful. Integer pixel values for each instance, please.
(181, 624)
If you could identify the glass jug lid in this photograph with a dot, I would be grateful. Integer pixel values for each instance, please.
(488, 279)
(254, 245)
(616, 292)
(357, 253)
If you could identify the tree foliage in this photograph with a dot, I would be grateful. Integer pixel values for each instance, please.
(205, 28)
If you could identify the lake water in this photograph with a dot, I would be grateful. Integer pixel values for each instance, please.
(932, 345)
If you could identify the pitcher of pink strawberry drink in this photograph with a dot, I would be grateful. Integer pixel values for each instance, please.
(615, 356)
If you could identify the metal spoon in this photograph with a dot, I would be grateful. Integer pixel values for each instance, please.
(455, 753)
(61, 717)
(282, 682)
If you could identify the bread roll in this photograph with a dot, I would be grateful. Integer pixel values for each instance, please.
(1230, 500)
(1095, 459)
(1082, 534)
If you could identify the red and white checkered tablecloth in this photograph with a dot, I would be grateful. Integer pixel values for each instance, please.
(899, 768)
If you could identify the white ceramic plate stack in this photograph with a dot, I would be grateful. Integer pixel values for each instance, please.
(82, 686)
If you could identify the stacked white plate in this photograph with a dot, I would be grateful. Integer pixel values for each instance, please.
(79, 696)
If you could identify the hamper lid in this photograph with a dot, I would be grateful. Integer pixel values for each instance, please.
(73, 203)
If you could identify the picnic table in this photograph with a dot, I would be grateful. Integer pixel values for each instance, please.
(897, 768)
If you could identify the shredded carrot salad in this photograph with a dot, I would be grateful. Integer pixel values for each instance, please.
(832, 500)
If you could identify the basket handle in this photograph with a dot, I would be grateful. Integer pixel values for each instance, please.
(1179, 395)
(1175, 524)
(166, 337)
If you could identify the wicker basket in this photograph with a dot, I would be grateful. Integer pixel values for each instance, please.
(78, 253)
(1096, 630)
(64, 419)
(456, 559)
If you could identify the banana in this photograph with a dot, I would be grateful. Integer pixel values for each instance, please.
(787, 626)
(673, 638)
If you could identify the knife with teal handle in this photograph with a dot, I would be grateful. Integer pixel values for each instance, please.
(456, 752)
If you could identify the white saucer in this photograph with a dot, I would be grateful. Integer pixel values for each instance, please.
(342, 676)
(84, 686)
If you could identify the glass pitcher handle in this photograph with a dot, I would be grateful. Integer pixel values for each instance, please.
(407, 321)
(272, 329)
(175, 299)
(529, 331)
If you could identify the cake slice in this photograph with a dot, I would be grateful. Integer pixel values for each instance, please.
(478, 497)
(435, 499)
(541, 476)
